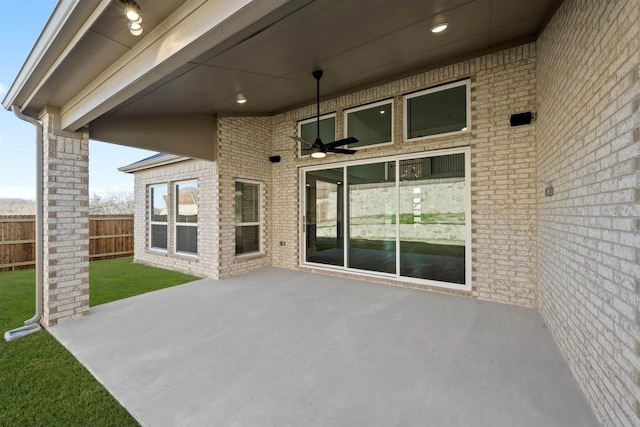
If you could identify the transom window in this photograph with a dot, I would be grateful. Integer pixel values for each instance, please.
(370, 124)
(437, 111)
(248, 218)
(307, 130)
(186, 217)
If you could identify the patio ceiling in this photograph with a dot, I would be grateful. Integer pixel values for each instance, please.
(356, 43)
(261, 50)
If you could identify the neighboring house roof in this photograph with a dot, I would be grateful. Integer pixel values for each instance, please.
(159, 159)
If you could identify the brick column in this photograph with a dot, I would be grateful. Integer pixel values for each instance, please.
(66, 222)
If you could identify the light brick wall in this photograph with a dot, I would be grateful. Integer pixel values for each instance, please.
(244, 147)
(589, 149)
(503, 174)
(66, 223)
(205, 263)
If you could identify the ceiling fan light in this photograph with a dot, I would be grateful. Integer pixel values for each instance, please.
(318, 154)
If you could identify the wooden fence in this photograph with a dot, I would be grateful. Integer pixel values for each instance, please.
(110, 236)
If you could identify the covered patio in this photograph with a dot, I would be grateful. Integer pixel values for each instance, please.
(282, 347)
(551, 206)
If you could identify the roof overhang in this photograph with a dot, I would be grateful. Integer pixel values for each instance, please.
(68, 22)
(197, 57)
(157, 160)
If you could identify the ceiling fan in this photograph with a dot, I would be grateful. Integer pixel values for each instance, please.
(318, 148)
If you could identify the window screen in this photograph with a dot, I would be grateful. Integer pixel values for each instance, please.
(186, 206)
(248, 221)
(158, 211)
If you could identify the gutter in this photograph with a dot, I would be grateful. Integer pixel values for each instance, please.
(33, 324)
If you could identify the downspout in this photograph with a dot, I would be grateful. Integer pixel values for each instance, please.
(33, 324)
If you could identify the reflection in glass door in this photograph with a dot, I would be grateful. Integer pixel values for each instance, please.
(432, 218)
(406, 217)
(371, 217)
(324, 214)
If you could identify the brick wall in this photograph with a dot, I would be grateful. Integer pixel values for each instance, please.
(503, 175)
(589, 150)
(244, 147)
(205, 263)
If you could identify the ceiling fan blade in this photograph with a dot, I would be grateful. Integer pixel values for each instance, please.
(341, 151)
(302, 141)
(340, 142)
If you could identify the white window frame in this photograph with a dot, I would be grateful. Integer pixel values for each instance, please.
(176, 224)
(467, 286)
(313, 120)
(259, 223)
(405, 112)
(346, 113)
(150, 216)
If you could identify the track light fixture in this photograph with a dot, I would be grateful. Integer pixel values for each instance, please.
(132, 12)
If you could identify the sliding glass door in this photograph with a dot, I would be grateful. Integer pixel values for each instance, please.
(371, 211)
(432, 218)
(323, 219)
(406, 217)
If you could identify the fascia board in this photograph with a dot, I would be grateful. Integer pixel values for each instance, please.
(51, 48)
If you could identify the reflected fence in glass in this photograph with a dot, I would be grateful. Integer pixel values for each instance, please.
(405, 217)
(371, 219)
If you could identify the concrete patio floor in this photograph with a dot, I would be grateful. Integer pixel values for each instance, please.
(287, 348)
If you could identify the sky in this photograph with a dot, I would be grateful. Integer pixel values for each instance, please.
(21, 22)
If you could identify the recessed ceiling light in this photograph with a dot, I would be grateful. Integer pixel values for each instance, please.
(440, 27)
(132, 10)
(135, 28)
(241, 100)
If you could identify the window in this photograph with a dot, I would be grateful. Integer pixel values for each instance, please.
(404, 217)
(248, 218)
(307, 130)
(437, 111)
(158, 210)
(370, 124)
(186, 214)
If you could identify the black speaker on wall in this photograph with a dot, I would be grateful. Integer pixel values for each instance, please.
(274, 159)
(521, 119)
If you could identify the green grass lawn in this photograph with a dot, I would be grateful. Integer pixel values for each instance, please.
(41, 383)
